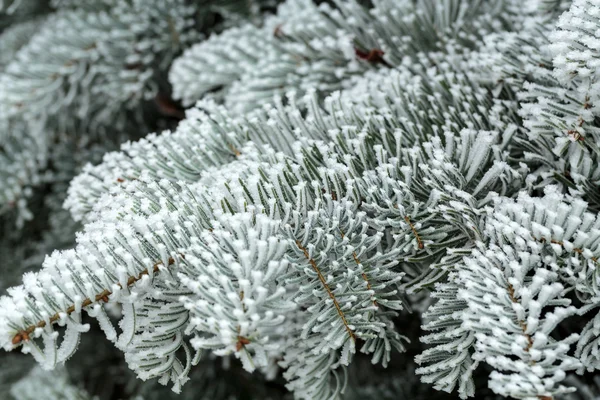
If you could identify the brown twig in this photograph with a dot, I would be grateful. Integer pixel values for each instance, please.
(102, 296)
(364, 275)
(412, 227)
(576, 249)
(327, 289)
(522, 324)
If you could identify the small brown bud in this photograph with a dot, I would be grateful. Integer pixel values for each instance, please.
(17, 339)
(242, 341)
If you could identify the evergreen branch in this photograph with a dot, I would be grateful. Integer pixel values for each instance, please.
(364, 275)
(23, 335)
(577, 250)
(327, 289)
(522, 324)
(426, 169)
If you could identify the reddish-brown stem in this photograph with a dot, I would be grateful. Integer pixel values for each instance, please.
(522, 324)
(412, 227)
(364, 275)
(576, 250)
(327, 289)
(102, 296)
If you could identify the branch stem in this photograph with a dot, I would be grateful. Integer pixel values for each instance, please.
(327, 289)
(23, 335)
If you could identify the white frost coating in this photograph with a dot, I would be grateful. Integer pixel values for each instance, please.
(284, 237)
(70, 341)
(576, 43)
(127, 325)
(246, 249)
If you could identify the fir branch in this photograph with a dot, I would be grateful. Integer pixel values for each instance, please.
(522, 324)
(577, 250)
(364, 274)
(327, 289)
(415, 130)
(23, 335)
